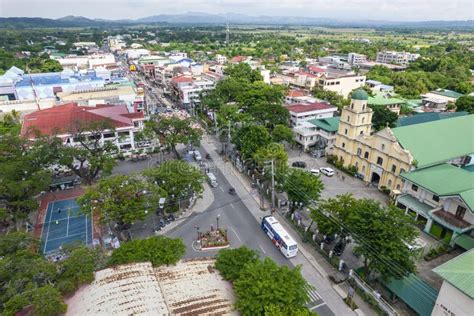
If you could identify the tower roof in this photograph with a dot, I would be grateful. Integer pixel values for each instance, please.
(360, 94)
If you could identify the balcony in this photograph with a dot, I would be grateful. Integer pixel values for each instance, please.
(450, 221)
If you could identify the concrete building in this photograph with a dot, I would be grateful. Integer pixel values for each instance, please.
(381, 157)
(86, 62)
(355, 59)
(221, 59)
(393, 57)
(456, 296)
(136, 53)
(319, 134)
(393, 104)
(190, 94)
(62, 120)
(300, 113)
(439, 99)
(342, 84)
(377, 86)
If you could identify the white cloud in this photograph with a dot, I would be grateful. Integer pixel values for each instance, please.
(398, 10)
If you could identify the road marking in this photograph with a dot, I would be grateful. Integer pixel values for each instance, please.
(262, 249)
(237, 235)
(314, 307)
(232, 205)
(221, 189)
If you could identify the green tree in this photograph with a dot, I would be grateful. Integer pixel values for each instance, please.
(275, 310)
(77, 269)
(121, 199)
(282, 133)
(92, 156)
(331, 214)
(47, 301)
(301, 186)
(173, 130)
(465, 103)
(178, 178)
(243, 72)
(264, 283)
(158, 250)
(231, 262)
(275, 152)
(383, 117)
(10, 124)
(250, 138)
(381, 235)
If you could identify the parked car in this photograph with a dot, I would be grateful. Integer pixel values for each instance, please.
(197, 155)
(327, 171)
(299, 164)
(314, 172)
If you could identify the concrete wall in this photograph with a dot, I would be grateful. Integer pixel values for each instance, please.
(452, 302)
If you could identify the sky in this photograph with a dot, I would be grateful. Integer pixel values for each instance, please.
(360, 10)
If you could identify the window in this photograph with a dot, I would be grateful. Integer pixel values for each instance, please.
(363, 169)
(402, 170)
(414, 187)
(363, 120)
(345, 131)
(359, 151)
(343, 145)
(357, 164)
(348, 118)
(460, 211)
(366, 155)
(435, 198)
(394, 168)
(363, 107)
(398, 187)
(389, 183)
(361, 133)
(383, 146)
(379, 161)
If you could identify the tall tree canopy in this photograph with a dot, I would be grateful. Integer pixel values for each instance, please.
(302, 186)
(250, 138)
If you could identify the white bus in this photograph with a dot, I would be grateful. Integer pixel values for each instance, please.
(280, 238)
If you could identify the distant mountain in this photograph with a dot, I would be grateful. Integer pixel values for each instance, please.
(199, 18)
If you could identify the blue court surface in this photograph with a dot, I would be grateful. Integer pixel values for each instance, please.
(64, 224)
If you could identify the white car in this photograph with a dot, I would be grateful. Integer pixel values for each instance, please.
(314, 172)
(197, 155)
(327, 171)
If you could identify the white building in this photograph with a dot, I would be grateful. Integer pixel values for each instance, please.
(319, 133)
(300, 113)
(86, 62)
(190, 94)
(456, 296)
(137, 53)
(355, 59)
(343, 84)
(221, 59)
(393, 57)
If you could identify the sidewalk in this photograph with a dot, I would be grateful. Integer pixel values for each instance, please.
(310, 269)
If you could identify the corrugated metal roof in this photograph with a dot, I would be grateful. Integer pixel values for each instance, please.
(459, 272)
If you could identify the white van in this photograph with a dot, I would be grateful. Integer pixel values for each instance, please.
(212, 179)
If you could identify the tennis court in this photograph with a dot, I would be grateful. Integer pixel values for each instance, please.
(64, 224)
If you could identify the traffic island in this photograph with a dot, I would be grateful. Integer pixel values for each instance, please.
(213, 239)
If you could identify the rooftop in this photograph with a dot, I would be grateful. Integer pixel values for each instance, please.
(63, 118)
(330, 124)
(424, 141)
(427, 117)
(381, 100)
(445, 180)
(190, 287)
(360, 94)
(301, 108)
(447, 93)
(458, 272)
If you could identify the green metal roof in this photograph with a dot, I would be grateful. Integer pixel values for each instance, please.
(445, 180)
(448, 93)
(415, 292)
(459, 272)
(438, 141)
(380, 100)
(427, 117)
(413, 103)
(414, 204)
(330, 124)
(359, 94)
(464, 241)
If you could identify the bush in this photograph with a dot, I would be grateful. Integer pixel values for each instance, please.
(436, 252)
(158, 250)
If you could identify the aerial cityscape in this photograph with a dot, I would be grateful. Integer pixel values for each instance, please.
(237, 157)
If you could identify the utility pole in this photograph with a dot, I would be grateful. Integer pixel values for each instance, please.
(273, 184)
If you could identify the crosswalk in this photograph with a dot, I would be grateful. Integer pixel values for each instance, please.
(314, 299)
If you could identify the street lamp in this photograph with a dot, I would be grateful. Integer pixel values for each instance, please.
(217, 220)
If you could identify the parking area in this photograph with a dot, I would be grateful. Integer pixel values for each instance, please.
(340, 183)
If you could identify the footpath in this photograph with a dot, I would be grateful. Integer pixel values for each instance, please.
(311, 270)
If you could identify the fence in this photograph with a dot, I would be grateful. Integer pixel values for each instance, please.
(384, 306)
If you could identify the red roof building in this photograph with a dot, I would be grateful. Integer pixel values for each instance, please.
(238, 59)
(62, 120)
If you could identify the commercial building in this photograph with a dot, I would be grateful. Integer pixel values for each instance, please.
(221, 59)
(393, 57)
(456, 296)
(381, 157)
(190, 94)
(86, 62)
(192, 287)
(342, 84)
(63, 120)
(300, 113)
